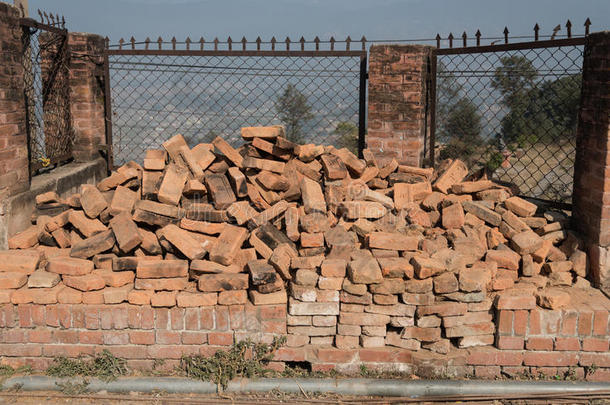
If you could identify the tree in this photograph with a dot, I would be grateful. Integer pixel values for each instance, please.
(293, 110)
(458, 119)
(462, 128)
(347, 136)
(539, 110)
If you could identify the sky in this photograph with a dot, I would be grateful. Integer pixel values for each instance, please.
(375, 19)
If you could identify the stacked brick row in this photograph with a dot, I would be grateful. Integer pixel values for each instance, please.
(363, 254)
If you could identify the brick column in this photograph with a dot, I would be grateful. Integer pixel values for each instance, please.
(397, 99)
(86, 94)
(591, 199)
(14, 165)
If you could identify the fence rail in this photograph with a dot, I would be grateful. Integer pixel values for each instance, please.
(510, 110)
(206, 89)
(46, 88)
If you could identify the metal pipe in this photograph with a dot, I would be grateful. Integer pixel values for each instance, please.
(348, 386)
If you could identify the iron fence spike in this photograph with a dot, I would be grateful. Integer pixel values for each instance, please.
(146, 42)
(187, 41)
(363, 40)
(287, 40)
(133, 42)
(316, 40)
(273, 43)
(478, 35)
(40, 14)
(506, 35)
(121, 41)
(258, 43)
(438, 40)
(536, 31)
(243, 43)
(587, 24)
(569, 28)
(302, 41)
(464, 39)
(450, 38)
(201, 43)
(160, 42)
(348, 41)
(332, 43)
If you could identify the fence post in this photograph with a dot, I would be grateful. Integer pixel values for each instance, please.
(397, 102)
(14, 164)
(86, 94)
(591, 198)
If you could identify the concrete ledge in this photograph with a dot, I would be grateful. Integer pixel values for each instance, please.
(16, 211)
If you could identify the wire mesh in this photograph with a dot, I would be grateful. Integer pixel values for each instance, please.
(513, 114)
(156, 96)
(46, 75)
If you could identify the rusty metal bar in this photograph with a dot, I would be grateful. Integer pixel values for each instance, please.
(108, 113)
(194, 52)
(432, 106)
(514, 46)
(30, 22)
(362, 106)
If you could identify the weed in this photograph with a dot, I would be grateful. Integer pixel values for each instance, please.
(105, 366)
(243, 359)
(590, 370)
(73, 388)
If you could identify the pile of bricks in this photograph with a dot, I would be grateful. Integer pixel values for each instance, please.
(362, 254)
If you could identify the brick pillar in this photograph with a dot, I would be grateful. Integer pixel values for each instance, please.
(14, 165)
(86, 94)
(397, 100)
(591, 199)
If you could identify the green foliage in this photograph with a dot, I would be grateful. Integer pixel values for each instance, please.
(73, 387)
(347, 136)
(458, 119)
(104, 366)
(243, 359)
(462, 128)
(293, 110)
(538, 110)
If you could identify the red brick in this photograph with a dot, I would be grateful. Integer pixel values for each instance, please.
(505, 322)
(600, 323)
(65, 336)
(508, 301)
(520, 326)
(539, 343)
(585, 322)
(332, 355)
(509, 343)
(493, 357)
(90, 337)
(206, 318)
(550, 359)
(194, 338)
(163, 299)
(569, 323)
(165, 337)
(599, 359)
(161, 318)
(595, 344)
(535, 328)
(40, 336)
(191, 319)
(188, 299)
(220, 338)
(487, 372)
(567, 344)
(385, 355)
(273, 312)
(222, 318)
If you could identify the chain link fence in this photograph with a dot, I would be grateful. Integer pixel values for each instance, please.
(155, 96)
(513, 114)
(46, 87)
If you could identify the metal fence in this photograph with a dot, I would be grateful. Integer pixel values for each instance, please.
(202, 90)
(511, 110)
(47, 94)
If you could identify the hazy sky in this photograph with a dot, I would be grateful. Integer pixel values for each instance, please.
(376, 19)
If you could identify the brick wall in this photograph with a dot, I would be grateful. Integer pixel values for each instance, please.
(14, 176)
(86, 94)
(396, 104)
(591, 211)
